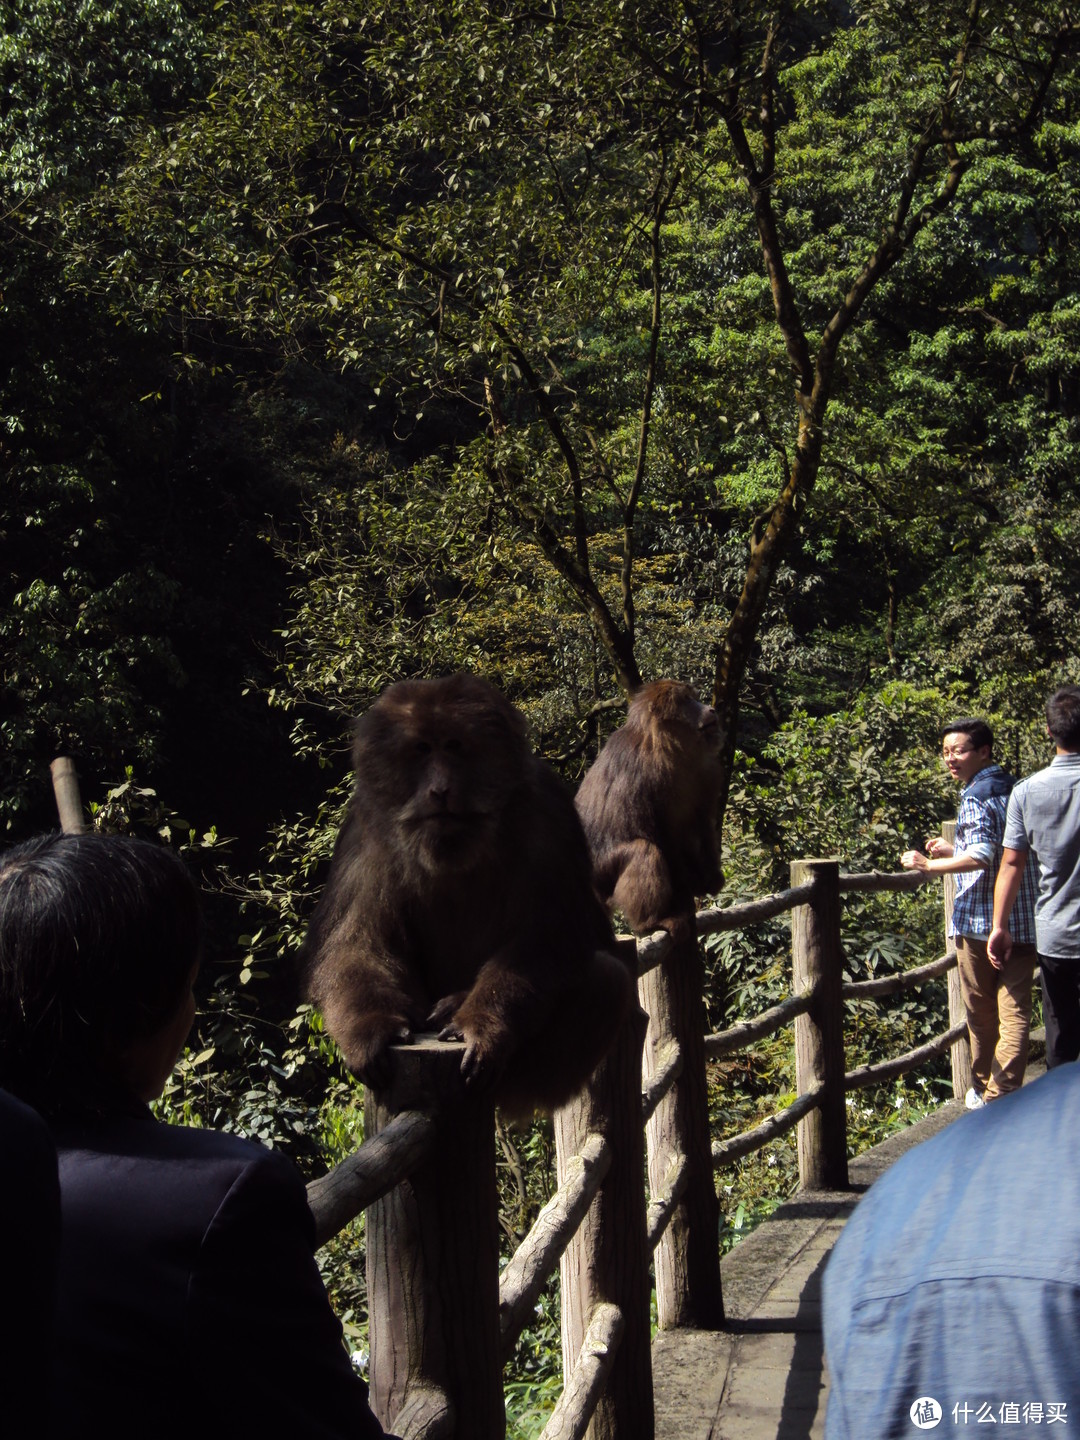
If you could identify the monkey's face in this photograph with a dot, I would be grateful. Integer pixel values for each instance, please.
(705, 723)
(442, 772)
(678, 710)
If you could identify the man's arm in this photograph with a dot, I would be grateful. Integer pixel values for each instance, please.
(940, 864)
(1006, 889)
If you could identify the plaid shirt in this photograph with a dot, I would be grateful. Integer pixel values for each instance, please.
(980, 828)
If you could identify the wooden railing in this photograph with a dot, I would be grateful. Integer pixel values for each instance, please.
(443, 1322)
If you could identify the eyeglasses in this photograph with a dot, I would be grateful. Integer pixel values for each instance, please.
(947, 754)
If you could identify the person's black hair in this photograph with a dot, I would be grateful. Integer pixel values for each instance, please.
(1063, 717)
(977, 731)
(98, 938)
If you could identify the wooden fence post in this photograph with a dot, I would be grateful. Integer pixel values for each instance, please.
(819, 1034)
(65, 782)
(960, 1053)
(687, 1258)
(607, 1262)
(433, 1261)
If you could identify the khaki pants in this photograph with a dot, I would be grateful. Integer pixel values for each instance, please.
(998, 1005)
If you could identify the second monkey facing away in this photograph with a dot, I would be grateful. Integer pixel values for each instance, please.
(460, 900)
(648, 804)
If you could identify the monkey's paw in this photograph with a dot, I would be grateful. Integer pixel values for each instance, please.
(681, 928)
(442, 1015)
(484, 1060)
(368, 1052)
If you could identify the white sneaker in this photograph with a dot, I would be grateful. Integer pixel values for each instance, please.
(974, 1101)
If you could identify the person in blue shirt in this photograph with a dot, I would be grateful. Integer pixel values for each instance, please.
(1044, 817)
(997, 992)
(952, 1297)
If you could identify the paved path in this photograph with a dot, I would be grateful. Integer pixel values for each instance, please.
(764, 1376)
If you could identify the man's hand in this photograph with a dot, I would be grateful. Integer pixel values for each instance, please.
(914, 860)
(999, 947)
(939, 849)
(1006, 888)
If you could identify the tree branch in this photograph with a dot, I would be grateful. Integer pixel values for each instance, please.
(578, 578)
(663, 194)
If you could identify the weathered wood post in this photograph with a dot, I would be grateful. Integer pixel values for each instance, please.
(960, 1052)
(607, 1262)
(433, 1261)
(687, 1258)
(819, 1034)
(65, 784)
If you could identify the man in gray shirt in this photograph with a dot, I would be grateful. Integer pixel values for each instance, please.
(1044, 816)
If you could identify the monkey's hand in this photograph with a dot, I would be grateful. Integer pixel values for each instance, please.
(367, 1046)
(488, 1043)
(443, 1012)
(682, 928)
(486, 1054)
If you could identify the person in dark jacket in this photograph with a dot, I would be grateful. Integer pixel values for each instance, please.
(188, 1297)
(29, 1244)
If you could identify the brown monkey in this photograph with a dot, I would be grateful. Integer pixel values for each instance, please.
(648, 804)
(460, 900)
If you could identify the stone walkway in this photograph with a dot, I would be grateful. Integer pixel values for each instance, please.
(764, 1376)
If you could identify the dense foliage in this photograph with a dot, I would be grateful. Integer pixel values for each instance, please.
(569, 343)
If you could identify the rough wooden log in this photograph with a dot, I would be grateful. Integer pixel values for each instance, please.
(432, 1257)
(882, 880)
(669, 1066)
(726, 1151)
(897, 984)
(686, 1263)
(427, 1414)
(662, 1206)
(751, 912)
(726, 1042)
(819, 1034)
(607, 1261)
(570, 1418)
(380, 1163)
(651, 950)
(886, 1070)
(65, 783)
(536, 1258)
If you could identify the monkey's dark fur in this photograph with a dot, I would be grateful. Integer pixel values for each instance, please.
(648, 805)
(459, 899)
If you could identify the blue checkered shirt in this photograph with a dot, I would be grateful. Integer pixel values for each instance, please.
(980, 830)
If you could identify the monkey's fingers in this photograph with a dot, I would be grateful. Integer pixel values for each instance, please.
(484, 1060)
(451, 1032)
(681, 928)
(476, 1068)
(371, 1062)
(443, 1011)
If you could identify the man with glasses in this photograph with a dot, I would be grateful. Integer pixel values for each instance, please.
(1044, 816)
(996, 988)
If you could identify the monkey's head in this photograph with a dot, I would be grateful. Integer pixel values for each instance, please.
(438, 762)
(673, 709)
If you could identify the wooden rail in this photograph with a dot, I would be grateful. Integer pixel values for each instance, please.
(442, 1320)
(601, 1227)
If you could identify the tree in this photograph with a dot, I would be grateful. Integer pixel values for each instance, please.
(490, 219)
